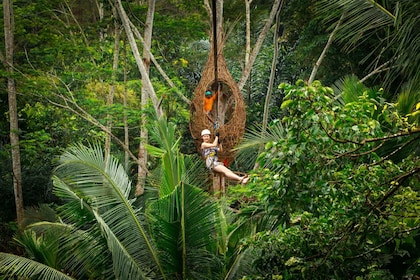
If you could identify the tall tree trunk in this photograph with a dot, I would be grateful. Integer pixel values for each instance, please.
(248, 42)
(324, 51)
(257, 47)
(142, 166)
(248, 30)
(125, 118)
(272, 75)
(270, 84)
(218, 32)
(14, 127)
(110, 99)
(126, 23)
(101, 12)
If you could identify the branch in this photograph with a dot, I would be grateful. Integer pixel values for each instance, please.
(397, 185)
(126, 23)
(161, 71)
(413, 130)
(377, 70)
(324, 51)
(336, 139)
(263, 34)
(353, 155)
(384, 243)
(88, 117)
(395, 151)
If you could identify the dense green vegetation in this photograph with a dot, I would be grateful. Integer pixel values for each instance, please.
(335, 189)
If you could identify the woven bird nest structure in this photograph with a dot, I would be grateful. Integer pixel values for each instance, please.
(228, 115)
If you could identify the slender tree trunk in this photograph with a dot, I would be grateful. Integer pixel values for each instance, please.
(110, 99)
(266, 113)
(218, 41)
(142, 166)
(125, 118)
(101, 12)
(14, 127)
(324, 51)
(257, 47)
(248, 42)
(126, 23)
(248, 30)
(272, 75)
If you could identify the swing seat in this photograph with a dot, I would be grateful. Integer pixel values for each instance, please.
(232, 127)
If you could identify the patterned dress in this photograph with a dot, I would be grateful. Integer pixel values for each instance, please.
(210, 154)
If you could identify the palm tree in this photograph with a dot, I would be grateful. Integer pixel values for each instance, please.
(392, 25)
(100, 232)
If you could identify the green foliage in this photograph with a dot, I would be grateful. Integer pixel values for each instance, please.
(335, 193)
(184, 226)
(388, 27)
(101, 233)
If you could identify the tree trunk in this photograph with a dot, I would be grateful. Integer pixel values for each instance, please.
(14, 126)
(142, 166)
(248, 30)
(270, 84)
(248, 42)
(125, 118)
(110, 99)
(255, 51)
(324, 51)
(272, 75)
(126, 23)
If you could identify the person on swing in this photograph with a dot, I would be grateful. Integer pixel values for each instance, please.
(209, 98)
(209, 150)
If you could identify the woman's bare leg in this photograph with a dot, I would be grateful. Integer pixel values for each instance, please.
(229, 174)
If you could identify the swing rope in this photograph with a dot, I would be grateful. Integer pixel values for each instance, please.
(215, 39)
(215, 54)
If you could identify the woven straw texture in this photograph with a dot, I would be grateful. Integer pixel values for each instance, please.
(228, 112)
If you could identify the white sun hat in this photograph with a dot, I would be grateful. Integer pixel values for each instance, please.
(205, 132)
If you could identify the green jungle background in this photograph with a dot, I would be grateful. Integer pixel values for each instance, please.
(331, 141)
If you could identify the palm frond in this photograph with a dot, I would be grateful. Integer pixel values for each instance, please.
(406, 42)
(20, 266)
(105, 190)
(43, 248)
(125, 264)
(194, 175)
(172, 161)
(348, 89)
(184, 224)
(83, 168)
(394, 26)
(75, 209)
(362, 18)
(254, 138)
(242, 265)
(81, 252)
(407, 101)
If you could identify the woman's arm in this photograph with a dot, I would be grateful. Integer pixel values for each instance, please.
(209, 145)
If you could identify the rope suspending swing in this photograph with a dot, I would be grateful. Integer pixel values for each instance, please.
(230, 115)
(215, 54)
(214, 39)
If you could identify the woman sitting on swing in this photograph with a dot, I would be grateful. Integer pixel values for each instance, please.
(209, 150)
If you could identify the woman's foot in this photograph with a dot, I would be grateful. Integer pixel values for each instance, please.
(244, 180)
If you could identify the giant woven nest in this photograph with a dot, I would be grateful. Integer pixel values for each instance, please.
(231, 123)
